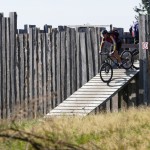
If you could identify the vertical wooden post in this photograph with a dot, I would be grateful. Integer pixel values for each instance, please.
(68, 59)
(13, 29)
(143, 57)
(4, 80)
(83, 57)
(30, 71)
(123, 98)
(39, 75)
(73, 61)
(58, 62)
(78, 59)
(43, 72)
(63, 65)
(35, 72)
(114, 102)
(108, 105)
(8, 68)
(26, 73)
(48, 71)
(89, 55)
(21, 66)
(95, 49)
(54, 67)
(17, 63)
(1, 16)
(148, 40)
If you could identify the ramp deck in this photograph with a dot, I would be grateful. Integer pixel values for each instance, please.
(93, 94)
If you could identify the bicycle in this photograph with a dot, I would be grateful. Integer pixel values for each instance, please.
(106, 69)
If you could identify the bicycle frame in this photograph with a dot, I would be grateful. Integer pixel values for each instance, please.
(110, 58)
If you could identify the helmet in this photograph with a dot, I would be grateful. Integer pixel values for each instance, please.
(104, 32)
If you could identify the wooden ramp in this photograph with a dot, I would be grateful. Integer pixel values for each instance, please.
(93, 94)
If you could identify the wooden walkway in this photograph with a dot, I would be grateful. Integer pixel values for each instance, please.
(93, 94)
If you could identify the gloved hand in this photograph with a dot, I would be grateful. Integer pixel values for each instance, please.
(111, 53)
(100, 52)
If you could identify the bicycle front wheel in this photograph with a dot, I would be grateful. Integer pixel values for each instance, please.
(127, 59)
(106, 72)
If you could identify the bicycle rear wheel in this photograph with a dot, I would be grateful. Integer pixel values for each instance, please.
(127, 59)
(135, 55)
(106, 72)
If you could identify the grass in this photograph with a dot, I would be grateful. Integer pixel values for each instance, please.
(126, 130)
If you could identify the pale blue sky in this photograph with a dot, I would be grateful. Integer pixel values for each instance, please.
(119, 13)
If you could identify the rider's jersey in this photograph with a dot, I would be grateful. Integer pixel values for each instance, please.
(111, 40)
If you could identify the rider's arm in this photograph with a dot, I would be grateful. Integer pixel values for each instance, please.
(114, 43)
(101, 45)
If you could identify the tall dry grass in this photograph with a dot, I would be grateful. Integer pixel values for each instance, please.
(125, 130)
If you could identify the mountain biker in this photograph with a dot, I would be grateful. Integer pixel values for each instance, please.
(109, 43)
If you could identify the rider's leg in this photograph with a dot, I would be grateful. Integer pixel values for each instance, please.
(117, 56)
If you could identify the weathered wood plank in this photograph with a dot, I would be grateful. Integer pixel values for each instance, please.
(89, 55)
(1, 16)
(114, 103)
(93, 93)
(17, 79)
(110, 84)
(64, 115)
(78, 58)
(95, 49)
(143, 57)
(63, 66)
(84, 101)
(21, 67)
(58, 61)
(148, 56)
(4, 79)
(43, 72)
(77, 105)
(99, 40)
(96, 90)
(31, 79)
(54, 68)
(48, 71)
(26, 71)
(8, 69)
(39, 76)
(13, 29)
(83, 57)
(35, 71)
(68, 57)
(84, 98)
(114, 80)
(61, 108)
(132, 97)
(99, 87)
(73, 61)
(72, 111)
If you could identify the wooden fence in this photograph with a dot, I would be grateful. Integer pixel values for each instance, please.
(41, 68)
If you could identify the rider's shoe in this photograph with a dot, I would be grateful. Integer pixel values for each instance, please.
(120, 65)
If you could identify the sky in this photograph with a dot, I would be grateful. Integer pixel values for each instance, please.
(119, 13)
